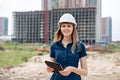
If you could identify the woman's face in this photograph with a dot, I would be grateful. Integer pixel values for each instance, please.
(66, 29)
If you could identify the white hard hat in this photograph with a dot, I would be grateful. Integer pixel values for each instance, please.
(67, 17)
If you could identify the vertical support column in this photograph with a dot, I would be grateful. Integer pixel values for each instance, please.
(46, 22)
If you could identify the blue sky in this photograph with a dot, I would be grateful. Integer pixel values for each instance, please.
(110, 8)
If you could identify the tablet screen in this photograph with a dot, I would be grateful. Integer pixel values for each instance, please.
(57, 66)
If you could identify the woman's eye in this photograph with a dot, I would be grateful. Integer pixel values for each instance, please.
(63, 25)
(69, 25)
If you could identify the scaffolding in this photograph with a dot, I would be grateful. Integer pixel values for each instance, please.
(31, 27)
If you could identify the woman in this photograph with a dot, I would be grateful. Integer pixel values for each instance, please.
(67, 51)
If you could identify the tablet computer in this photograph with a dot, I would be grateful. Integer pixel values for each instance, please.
(57, 66)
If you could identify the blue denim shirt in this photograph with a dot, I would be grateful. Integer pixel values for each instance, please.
(65, 57)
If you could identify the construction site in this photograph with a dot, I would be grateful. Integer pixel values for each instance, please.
(40, 26)
(36, 29)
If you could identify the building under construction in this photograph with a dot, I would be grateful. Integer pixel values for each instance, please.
(30, 27)
(40, 26)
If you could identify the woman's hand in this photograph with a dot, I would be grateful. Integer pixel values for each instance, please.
(66, 71)
(49, 69)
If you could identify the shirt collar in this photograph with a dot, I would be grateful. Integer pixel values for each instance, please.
(60, 42)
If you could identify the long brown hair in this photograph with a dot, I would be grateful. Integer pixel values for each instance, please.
(74, 36)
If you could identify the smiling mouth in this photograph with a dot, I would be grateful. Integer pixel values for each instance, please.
(66, 32)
